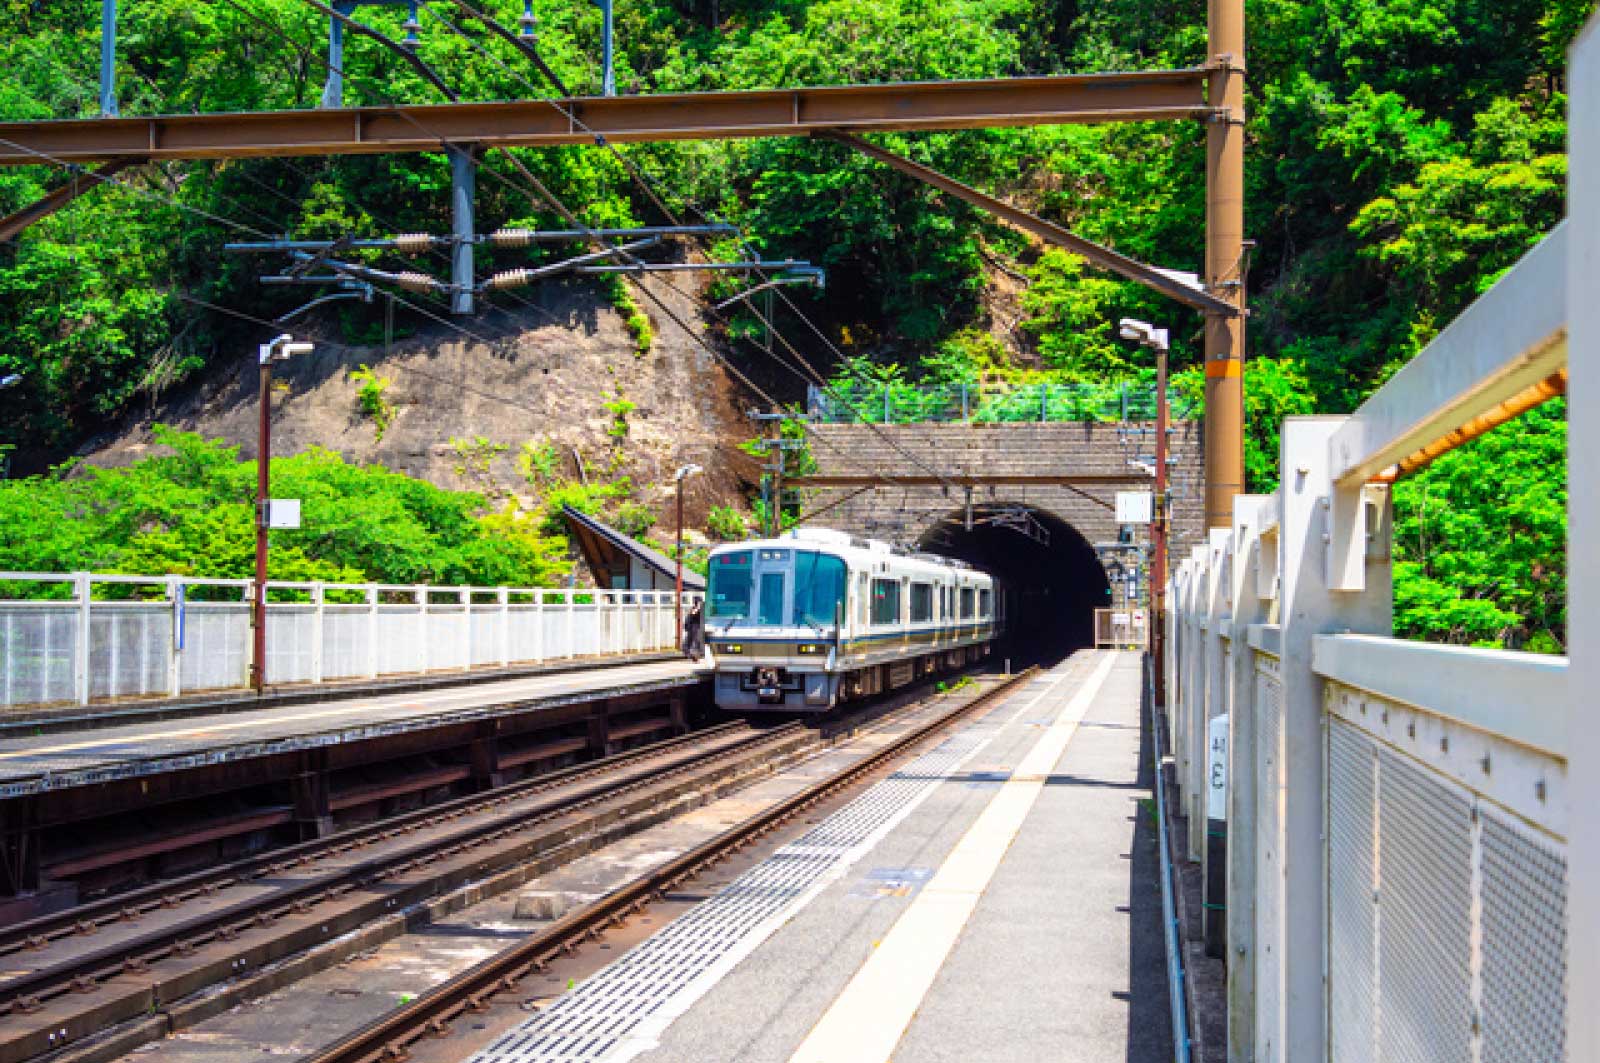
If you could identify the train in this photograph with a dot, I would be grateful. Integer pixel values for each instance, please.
(816, 617)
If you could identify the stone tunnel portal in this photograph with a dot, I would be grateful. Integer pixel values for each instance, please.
(1055, 579)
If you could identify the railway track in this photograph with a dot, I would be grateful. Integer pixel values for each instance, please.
(430, 1015)
(141, 963)
(187, 935)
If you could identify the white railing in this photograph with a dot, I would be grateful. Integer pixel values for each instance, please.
(1409, 872)
(79, 637)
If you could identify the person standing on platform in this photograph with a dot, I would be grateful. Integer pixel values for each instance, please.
(694, 632)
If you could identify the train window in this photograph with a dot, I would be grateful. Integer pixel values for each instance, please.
(819, 583)
(921, 602)
(885, 601)
(729, 589)
(985, 603)
(966, 603)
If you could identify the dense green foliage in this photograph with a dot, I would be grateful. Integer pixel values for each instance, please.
(191, 512)
(1400, 156)
(1472, 540)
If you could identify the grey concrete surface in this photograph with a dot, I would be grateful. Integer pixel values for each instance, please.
(1062, 959)
(35, 763)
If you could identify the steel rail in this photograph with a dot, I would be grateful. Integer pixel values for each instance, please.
(86, 918)
(905, 106)
(26, 990)
(430, 1014)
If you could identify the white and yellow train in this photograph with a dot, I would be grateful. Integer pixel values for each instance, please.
(802, 622)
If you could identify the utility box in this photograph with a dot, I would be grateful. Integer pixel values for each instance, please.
(282, 513)
(1135, 507)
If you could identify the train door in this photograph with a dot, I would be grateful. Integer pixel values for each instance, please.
(772, 592)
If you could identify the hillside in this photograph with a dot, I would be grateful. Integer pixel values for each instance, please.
(545, 400)
(1400, 156)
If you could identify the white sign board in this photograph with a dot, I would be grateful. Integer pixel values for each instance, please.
(1135, 507)
(1217, 768)
(283, 513)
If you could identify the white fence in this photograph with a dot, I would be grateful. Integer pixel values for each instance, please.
(1410, 870)
(134, 636)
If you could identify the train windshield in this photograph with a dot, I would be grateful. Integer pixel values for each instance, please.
(819, 583)
(729, 586)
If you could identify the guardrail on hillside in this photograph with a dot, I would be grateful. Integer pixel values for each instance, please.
(132, 636)
(900, 402)
(1398, 823)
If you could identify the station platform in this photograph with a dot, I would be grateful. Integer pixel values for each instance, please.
(996, 899)
(55, 761)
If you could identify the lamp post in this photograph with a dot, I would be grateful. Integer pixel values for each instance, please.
(279, 349)
(1155, 339)
(677, 600)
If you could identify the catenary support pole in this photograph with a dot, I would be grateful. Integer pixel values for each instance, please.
(258, 608)
(463, 181)
(333, 89)
(677, 589)
(1224, 265)
(1158, 565)
(108, 58)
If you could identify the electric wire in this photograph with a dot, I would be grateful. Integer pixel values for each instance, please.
(645, 185)
(541, 192)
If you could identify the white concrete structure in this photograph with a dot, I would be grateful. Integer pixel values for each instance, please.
(1411, 875)
(163, 636)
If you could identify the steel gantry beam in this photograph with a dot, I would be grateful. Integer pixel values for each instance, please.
(1076, 98)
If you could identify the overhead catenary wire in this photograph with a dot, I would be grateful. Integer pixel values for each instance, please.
(645, 186)
(542, 193)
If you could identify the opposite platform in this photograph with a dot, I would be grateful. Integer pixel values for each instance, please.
(57, 761)
(996, 899)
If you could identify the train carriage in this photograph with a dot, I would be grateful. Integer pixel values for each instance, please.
(816, 617)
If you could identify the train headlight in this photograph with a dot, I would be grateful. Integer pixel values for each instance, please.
(810, 649)
(729, 648)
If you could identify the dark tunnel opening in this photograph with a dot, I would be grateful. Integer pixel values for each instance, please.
(1054, 578)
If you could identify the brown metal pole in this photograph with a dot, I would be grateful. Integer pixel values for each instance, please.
(1158, 566)
(258, 612)
(677, 600)
(1224, 273)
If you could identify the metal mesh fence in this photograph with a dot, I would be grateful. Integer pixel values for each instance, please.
(1524, 908)
(128, 653)
(194, 642)
(1447, 913)
(38, 644)
(1352, 896)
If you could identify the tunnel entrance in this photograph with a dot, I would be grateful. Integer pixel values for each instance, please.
(1055, 579)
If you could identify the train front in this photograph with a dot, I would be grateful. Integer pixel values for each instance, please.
(773, 615)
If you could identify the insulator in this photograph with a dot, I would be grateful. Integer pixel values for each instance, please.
(413, 243)
(511, 278)
(416, 282)
(511, 237)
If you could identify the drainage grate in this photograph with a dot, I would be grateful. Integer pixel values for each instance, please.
(623, 1009)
